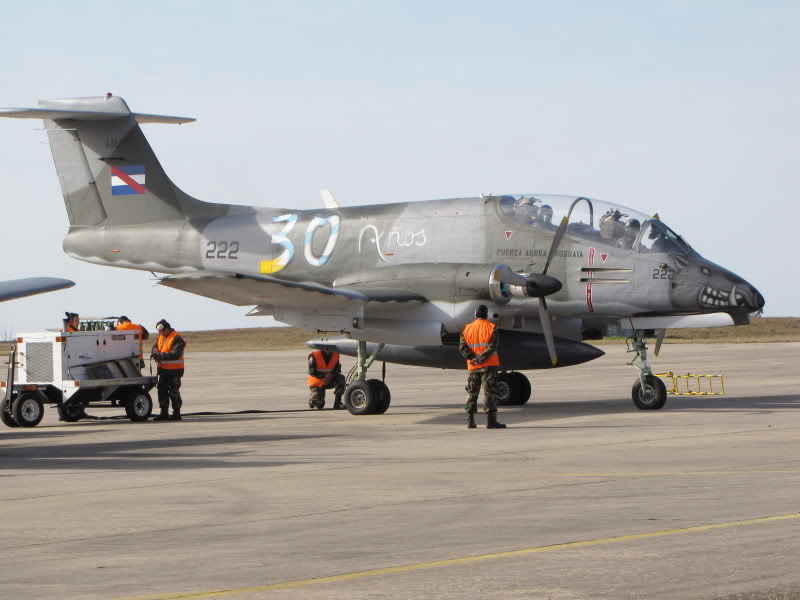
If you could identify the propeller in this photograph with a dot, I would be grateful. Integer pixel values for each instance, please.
(544, 314)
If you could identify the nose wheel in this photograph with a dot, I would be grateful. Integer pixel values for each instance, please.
(366, 396)
(648, 392)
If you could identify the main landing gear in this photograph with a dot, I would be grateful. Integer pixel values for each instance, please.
(649, 392)
(513, 389)
(366, 396)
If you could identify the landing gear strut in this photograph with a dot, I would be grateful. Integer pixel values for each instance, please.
(366, 396)
(649, 392)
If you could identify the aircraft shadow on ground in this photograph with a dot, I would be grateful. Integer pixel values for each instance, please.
(149, 454)
(562, 410)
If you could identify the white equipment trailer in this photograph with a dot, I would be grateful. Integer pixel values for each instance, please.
(73, 371)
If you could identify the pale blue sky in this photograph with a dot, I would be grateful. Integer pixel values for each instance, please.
(685, 108)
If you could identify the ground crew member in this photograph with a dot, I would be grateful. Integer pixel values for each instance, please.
(325, 373)
(478, 344)
(168, 351)
(124, 324)
(73, 322)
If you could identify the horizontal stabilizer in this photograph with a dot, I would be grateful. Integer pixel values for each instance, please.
(30, 286)
(87, 115)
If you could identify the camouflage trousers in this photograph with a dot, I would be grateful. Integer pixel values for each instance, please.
(169, 389)
(487, 378)
(317, 399)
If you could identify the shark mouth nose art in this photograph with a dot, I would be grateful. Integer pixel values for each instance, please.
(737, 296)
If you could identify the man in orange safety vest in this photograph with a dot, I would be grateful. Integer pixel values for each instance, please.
(325, 373)
(168, 351)
(124, 324)
(478, 344)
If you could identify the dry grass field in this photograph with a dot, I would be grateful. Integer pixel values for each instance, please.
(762, 329)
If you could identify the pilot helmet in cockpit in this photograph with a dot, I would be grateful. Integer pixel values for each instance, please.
(632, 228)
(545, 214)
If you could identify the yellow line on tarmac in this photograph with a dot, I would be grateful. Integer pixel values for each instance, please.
(434, 564)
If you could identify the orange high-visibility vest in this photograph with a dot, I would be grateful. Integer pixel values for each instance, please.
(478, 334)
(71, 329)
(165, 345)
(322, 367)
(133, 327)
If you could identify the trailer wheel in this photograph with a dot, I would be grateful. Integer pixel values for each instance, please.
(6, 417)
(28, 410)
(71, 412)
(139, 406)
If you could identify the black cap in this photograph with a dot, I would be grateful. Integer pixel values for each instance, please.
(482, 312)
(124, 320)
(163, 324)
(70, 315)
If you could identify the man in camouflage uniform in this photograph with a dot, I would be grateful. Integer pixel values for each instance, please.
(325, 373)
(478, 344)
(168, 351)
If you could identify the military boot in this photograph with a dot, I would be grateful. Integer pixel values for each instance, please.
(492, 422)
(176, 415)
(162, 416)
(471, 420)
(337, 403)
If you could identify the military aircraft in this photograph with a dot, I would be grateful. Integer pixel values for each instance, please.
(395, 282)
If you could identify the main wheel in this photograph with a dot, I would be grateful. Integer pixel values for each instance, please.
(28, 410)
(360, 399)
(6, 417)
(524, 386)
(71, 412)
(139, 406)
(381, 391)
(652, 396)
(507, 389)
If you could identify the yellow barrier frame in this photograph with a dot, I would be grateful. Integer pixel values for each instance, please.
(699, 391)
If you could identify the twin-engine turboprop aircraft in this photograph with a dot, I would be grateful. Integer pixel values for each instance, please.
(396, 282)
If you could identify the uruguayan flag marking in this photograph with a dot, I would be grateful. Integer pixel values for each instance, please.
(127, 180)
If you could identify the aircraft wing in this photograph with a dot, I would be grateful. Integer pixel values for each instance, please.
(30, 286)
(249, 290)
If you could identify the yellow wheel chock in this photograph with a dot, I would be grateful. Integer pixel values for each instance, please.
(700, 382)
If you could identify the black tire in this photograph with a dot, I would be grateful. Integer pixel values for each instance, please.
(139, 406)
(71, 412)
(651, 398)
(28, 410)
(360, 399)
(524, 387)
(382, 393)
(6, 417)
(507, 389)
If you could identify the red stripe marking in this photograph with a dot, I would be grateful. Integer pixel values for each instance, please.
(138, 187)
(589, 284)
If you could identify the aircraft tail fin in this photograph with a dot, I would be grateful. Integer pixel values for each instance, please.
(108, 172)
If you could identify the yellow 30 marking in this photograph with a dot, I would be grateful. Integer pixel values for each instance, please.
(434, 564)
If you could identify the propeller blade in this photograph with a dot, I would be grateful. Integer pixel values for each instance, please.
(504, 274)
(562, 229)
(659, 340)
(547, 329)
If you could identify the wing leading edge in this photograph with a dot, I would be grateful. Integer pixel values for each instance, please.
(30, 286)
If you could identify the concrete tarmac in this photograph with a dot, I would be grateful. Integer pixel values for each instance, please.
(584, 496)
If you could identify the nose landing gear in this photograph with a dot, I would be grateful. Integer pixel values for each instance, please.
(649, 392)
(366, 396)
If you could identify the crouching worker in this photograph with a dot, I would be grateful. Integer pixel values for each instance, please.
(325, 373)
(168, 351)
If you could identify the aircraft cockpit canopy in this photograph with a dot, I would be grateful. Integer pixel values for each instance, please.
(596, 221)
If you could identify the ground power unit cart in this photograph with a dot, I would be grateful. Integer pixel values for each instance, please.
(73, 371)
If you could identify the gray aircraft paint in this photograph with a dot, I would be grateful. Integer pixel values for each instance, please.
(405, 273)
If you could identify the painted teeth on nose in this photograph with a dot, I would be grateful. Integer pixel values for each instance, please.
(732, 296)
